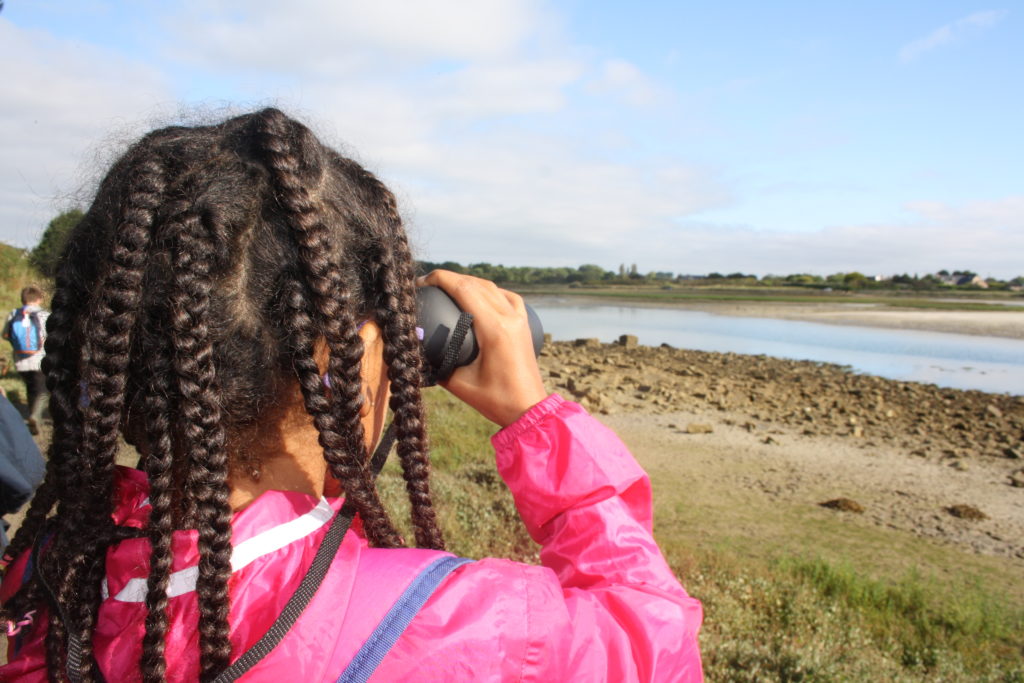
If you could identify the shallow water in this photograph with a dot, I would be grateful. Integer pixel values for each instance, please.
(952, 360)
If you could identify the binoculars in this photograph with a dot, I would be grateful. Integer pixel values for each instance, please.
(446, 333)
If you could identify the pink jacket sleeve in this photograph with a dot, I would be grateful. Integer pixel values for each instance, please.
(621, 614)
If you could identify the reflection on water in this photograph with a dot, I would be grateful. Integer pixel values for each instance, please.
(952, 360)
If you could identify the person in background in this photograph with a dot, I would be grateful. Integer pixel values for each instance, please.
(25, 329)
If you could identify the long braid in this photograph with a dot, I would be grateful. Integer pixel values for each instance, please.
(341, 429)
(55, 648)
(74, 547)
(159, 466)
(202, 430)
(106, 359)
(401, 354)
(304, 333)
(396, 313)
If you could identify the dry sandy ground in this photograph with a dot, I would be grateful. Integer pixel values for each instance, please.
(984, 323)
(753, 487)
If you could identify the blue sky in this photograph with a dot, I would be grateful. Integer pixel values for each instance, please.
(690, 137)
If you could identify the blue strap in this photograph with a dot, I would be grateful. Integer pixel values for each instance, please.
(380, 642)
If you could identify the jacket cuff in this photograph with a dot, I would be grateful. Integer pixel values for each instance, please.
(508, 435)
(557, 458)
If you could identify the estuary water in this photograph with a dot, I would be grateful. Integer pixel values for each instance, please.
(952, 360)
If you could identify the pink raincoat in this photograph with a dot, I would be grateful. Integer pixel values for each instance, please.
(603, 607)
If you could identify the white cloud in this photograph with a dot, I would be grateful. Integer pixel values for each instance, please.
(1005, 214)
(345, 36)
(412, 128)
(59, 100)
(960, 29)
(986, 236)
(479, 144)
(482, 150)
(532, 199)
(520, 87)
(625, 81)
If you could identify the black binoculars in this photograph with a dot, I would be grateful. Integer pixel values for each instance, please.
(446, 332)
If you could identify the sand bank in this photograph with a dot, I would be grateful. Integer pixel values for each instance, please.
(1008, 324)
(984, 323)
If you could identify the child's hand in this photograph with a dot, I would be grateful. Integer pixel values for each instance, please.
(503, 382)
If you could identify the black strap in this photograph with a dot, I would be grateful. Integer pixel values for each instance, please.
(75, 658)
(451, 352)
(300, 598)
(311, 581)
(38, 326)
(380, 455)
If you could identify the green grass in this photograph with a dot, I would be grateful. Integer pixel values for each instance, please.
(787, 622)
(15, 273)
(920, 612)
(773, 611)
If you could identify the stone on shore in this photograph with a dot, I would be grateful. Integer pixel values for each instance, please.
(822, 399)
(843, 505)
(628, 341)
(964, 511)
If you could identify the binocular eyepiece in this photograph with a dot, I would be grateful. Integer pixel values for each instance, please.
(446, 332)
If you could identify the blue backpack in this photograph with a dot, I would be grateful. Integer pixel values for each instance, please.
(25, 332)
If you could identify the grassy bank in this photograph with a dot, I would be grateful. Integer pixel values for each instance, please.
(830, 605)
(777, 295)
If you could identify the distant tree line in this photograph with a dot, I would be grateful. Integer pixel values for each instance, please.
(44, 257)
(590, 274)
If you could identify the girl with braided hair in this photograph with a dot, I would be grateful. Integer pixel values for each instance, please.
(239, 305)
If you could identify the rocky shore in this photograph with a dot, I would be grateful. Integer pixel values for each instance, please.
(952, 449)
(819, 398)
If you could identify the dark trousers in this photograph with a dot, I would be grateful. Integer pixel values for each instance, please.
(35, 386)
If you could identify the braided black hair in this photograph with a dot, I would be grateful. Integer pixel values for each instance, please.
(213, 264)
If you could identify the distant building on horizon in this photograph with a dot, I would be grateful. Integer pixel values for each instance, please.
(959, 279)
